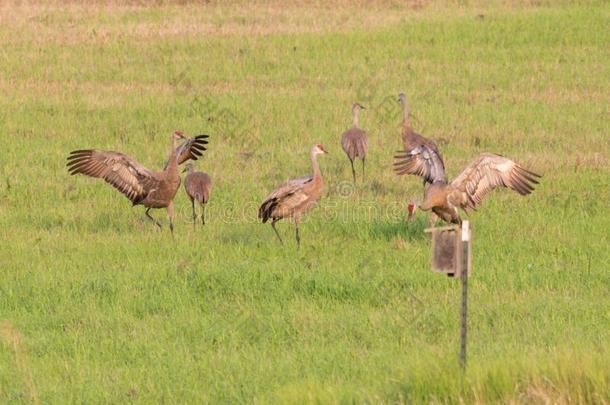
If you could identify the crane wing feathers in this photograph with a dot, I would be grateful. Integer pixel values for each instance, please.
(298, 182)
(192, 148)
(412, 140)
(488, 172)
(421, 161)
(286, 196)
(119, 170)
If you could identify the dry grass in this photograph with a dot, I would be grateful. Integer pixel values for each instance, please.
(69, 22)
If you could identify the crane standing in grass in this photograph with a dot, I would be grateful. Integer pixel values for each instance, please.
(484, 174)
(198, 186)
(295, 197)
(416, 145)
(139, 184)
(355, 141)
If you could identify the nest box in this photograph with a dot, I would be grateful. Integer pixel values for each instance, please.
(448, 249)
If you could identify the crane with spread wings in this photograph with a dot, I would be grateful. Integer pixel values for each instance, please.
(484, 174)
(139, 184)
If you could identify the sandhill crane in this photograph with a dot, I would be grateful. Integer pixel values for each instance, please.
(355, 141)
(198, 186)
(484, 174)
(139, 184)
(416, 145)
(295, 197)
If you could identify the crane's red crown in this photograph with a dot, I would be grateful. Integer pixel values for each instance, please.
(321, 147)
(179, 134)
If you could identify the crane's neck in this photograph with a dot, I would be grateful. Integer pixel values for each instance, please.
(355, 121)
(172, 161)
(426, 205)
(405, 112)
(314, 164)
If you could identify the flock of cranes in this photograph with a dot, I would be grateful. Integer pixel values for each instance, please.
(420, 157)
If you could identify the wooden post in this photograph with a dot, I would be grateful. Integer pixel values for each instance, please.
(451, 250)
(465, 264)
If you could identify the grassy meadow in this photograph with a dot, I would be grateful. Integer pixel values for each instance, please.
(98, 306)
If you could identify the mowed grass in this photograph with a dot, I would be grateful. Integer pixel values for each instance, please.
(97, 306)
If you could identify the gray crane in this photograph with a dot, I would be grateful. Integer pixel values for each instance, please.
(355, 141)
(417, 145)
(198, 186)
(295, 197)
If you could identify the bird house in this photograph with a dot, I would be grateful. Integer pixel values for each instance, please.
(448, 250)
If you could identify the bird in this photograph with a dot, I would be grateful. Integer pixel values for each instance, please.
(485, 173)
(355, 141)
(139, 184)
(417, 145)
(295, 197)
(198, 186)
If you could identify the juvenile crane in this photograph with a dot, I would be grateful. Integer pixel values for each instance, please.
(355, 141)
(416, 145)
(484, 174)
(139, 184)
(198, 186)
(295, 197)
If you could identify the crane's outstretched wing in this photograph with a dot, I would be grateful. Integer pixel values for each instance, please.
(123, 173)
(412, 140)
(423, 161)
(355, 142)
(486, 173)
(284, 198)
(192, 148)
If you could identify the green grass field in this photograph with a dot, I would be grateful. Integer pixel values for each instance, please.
(98, 306)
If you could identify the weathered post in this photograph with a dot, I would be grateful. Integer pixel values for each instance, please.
(451, 252)
(465, 248)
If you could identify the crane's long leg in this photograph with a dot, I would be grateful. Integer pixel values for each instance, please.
(151, 218)
(363, 168)
(296, 226)
(194, 213)
(170, 217)
(353, 170)
(203, 213)
(276, 232)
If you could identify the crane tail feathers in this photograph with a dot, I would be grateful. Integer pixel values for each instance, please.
(266, 209)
